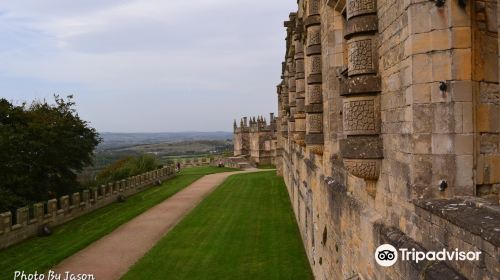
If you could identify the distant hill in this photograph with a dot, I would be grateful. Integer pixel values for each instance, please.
(113, 141)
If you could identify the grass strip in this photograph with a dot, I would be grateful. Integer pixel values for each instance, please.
(244, 230)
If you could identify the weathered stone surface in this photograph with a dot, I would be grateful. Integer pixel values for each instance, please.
(471, 214)
(382, 131)
(363, 84)
(314, 79)
(314, 108)
(361, 115)
(361, 25)
(361, 148)
(363, 168)
(312, 20)
(360, 56)
(314, 139)
(359, 7)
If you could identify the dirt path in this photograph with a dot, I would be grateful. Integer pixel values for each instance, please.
(110, 257)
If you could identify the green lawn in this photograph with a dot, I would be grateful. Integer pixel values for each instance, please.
(244, 230)
(41, 253)
(266, 166)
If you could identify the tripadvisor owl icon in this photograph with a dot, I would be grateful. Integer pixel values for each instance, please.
(386, 255)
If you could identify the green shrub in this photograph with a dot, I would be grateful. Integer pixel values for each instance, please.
(127, 167)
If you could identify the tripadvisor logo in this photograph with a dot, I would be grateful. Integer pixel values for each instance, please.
(387, 255)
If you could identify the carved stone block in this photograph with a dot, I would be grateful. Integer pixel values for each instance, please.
(360, 7)
(314, 94)
(361, 115)
(313, 8)
(314, 36)
(361, 56)
(316, 149)
(314, 123)
(315, 64)
(362, 168)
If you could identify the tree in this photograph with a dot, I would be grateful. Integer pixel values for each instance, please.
(42, 148)
(127, 167)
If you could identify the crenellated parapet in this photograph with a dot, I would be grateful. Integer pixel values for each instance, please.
(256, 139)
(362, 149)
(24, 223)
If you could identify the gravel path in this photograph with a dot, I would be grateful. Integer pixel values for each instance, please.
(110, 257)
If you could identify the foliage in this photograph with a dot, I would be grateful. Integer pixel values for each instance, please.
(127, 167)
(42, 148)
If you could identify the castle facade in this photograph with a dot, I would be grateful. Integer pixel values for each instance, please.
(389, 133)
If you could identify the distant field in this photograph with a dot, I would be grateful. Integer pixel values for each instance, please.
(244, 230)
(121, 140)
(180, 148)
(164, 151)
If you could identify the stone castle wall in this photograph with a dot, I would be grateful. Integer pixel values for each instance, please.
(59, 211)
(388, 132)
(256, 139)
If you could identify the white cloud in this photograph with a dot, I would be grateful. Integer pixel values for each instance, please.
(221, 51)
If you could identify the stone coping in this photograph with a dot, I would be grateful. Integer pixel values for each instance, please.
(473, 214)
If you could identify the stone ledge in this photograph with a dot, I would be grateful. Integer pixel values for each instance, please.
(362, 84)
(314, 108)
(314, 139)
(314, 79)
(361, 147)
(473, 214)
(422, 270)
(312, 20)
(365, 24)
(313, 50)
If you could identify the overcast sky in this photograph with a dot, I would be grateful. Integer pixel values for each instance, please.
(146, 65)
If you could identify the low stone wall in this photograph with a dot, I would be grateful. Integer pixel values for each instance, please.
(192, 162)
(59, 211)
(238, 162)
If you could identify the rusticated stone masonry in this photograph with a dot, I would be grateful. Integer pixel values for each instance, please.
(401, 100)
(314, 91)
(300, 114)
(361, 102)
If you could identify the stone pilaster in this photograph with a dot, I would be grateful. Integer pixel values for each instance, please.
(314, 90)
(291, 94)
(300, 114)
(362, 149)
